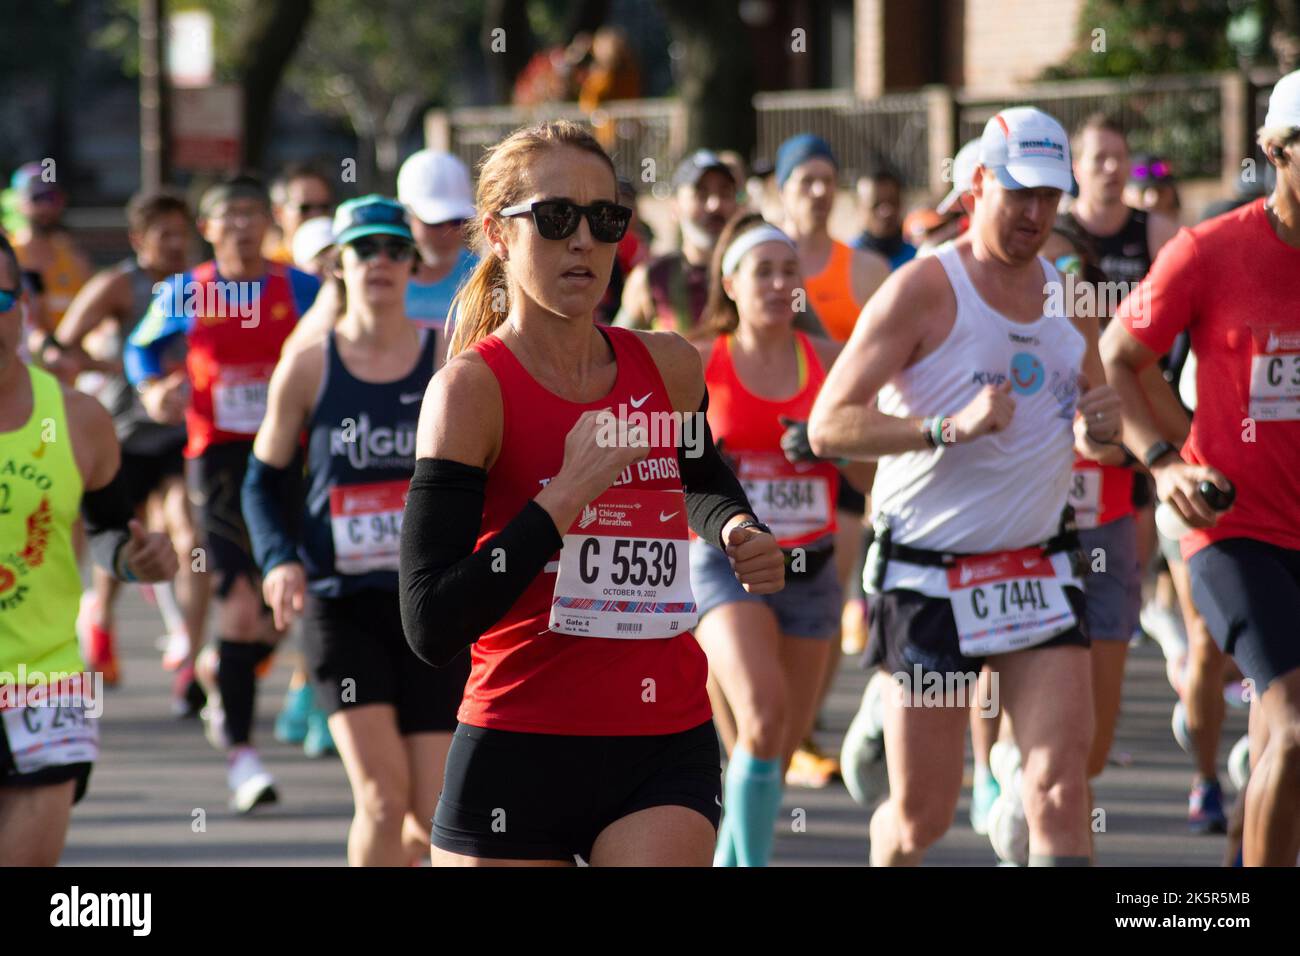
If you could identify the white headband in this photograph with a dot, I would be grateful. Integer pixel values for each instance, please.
(748, 240)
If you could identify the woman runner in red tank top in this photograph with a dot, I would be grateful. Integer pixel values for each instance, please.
(547, 526)
(768, 654)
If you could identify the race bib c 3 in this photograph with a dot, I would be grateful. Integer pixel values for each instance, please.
(624, 570)
(1275, 375)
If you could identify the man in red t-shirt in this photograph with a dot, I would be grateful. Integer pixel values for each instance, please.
(1234, 283)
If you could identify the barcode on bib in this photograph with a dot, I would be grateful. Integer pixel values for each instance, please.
(629, 628)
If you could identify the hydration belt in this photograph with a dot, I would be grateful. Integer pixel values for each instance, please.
(883, 550)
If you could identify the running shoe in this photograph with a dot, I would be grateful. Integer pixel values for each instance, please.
(1205, 808)
(983, 792)
(188, 698)
(176, 650)
(214, 723)
(1182, 733)
(103, 655)
(291, 722)
(862, 757)
(250, 784)
(1166, 628)
(318, 742)
(1239, 763)
(853, 627)
(1008, 830)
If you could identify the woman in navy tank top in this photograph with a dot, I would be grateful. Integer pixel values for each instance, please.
(356, 392)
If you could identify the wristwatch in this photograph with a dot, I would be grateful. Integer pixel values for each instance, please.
(753, 523)
(1158, 451)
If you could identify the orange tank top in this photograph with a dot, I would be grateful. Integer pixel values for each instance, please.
(830, 293)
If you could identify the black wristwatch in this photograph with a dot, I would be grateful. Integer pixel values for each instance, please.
(753, 523)
(1156, 452)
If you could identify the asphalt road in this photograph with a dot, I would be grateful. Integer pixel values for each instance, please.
(158, 794)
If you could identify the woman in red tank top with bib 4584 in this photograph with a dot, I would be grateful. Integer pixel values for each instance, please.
(768, 654)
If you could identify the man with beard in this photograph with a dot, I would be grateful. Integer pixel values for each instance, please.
(669, 291)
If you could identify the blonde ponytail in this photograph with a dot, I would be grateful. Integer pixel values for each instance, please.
(483, 303)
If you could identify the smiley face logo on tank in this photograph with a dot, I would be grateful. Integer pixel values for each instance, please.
(1027, 373)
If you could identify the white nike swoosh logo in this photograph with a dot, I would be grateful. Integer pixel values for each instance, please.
(1029, 562)
(717, 801)
(408, 399)
(664, 517)
(638, 402)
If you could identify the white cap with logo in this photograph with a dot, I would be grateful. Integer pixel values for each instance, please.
(963, 175)
(1284, 102)
(1027, 149)
(311, 239)
(435, 187)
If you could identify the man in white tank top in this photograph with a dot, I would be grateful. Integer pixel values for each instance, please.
(973, 389)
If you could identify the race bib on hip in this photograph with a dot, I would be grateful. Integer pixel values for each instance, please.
(49, 729)
(1085, 496)
(1007, 601)
(366, 521)
(794, 500)
(239, 398)
(1275, 375)
(624, 570)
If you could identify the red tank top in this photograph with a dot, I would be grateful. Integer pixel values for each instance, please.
(526, 678)
(1100, 494)
(796, 501)
(230, 358)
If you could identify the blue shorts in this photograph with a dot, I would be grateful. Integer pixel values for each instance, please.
(1114, 595)
(1248, 591)
(806, 607)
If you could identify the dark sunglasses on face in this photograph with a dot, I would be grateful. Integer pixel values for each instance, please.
(1157, 170)
(9, 298)
(398, 250)
(558, 218)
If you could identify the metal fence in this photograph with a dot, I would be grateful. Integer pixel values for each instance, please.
(1177, 117)
(1182, 118)
(892, 130)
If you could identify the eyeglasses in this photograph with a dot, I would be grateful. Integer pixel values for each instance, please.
(367, 247)
(9, 298)
(307, 209)
(558, 218)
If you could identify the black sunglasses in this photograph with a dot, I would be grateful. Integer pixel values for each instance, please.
(9, 298)
(367, 247)
(558, 218)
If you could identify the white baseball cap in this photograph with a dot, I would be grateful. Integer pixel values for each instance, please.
(435, 187)
(1027, 149)
(963, 175)
(1284, 102)
(311, 239)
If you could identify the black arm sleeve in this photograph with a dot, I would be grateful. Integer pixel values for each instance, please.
(714, 494)
(450, 593)
(107, 512)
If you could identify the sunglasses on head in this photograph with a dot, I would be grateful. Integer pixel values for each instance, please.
(367, 247)
(558, 218)
(1157, 170)
(9, 298)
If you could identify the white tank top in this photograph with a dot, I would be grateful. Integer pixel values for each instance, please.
(1000, 491)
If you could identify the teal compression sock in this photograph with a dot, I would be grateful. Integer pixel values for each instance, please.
(753, 800)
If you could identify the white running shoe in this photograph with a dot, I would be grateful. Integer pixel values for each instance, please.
(1008, 829)
(1165, 628)
(1182, 733)
(213, 716)
(1239, 763)
(862, 757)
(250, 784)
